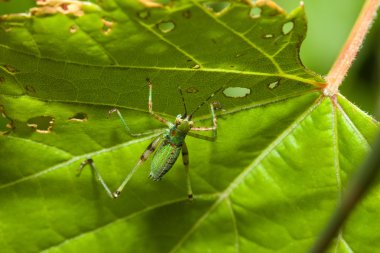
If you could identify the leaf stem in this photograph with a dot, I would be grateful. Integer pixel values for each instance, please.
(348, 53)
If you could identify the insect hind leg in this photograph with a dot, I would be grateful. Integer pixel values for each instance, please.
(185, 160)
(90, 162)
(148, 151)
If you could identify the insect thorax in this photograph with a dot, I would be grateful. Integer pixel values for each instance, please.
(175, 136)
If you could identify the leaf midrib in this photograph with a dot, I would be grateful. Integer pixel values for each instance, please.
(78, 158)
(128, 217)
(220, 196)
(225, 194)
(208, 70)
(118, 146)
(241, 36)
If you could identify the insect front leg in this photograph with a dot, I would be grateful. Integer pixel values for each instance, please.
(149, 150)
(127, 127)
(150, 106)
(125, 123)
(213, 128)
(185, 159)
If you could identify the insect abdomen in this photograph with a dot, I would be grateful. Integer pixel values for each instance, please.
(163, 160)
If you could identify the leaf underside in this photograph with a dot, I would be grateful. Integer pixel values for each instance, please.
(283, 155)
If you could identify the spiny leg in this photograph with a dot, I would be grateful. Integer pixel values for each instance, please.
(213, 128)
(185, 159)
(90, 162)
(148, 151)
(150, 106)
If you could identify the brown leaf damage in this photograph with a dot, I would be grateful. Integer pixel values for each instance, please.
(49, 7)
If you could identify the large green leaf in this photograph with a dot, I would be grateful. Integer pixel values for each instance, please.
(269, 183)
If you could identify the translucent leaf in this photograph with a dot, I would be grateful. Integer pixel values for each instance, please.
(269, 183)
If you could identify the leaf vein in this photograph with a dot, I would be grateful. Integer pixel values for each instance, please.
(245, 39)
(233, 218)
(106, 52)
(246, 171)
(76, 158)
(208, 70)
(356, 130)
(148, 28)
(125, 218)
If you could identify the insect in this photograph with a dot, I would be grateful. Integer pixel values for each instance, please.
(168, 145)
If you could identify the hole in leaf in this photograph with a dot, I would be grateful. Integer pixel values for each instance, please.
(186, 14)
(196, 66)
(64, 6)
(268, 36)
(10, 68)
(6, 124)
(273, 85)
(287, 27)
(30, 89)
(217, 7)
(192, 90)
(48, 7)
(144, 14)
(217, 105)
(107, 25)
(80, 116)
(255, 12)
(166, 27)
(73, 28)
(153, 3)
(236, 92)
(41, 124)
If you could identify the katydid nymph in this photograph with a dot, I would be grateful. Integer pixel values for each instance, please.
(167, 145)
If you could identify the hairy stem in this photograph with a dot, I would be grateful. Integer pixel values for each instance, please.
(347, 55)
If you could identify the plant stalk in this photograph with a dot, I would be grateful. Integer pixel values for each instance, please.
(353, 44)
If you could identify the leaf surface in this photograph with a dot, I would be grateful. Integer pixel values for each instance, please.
(269, 183)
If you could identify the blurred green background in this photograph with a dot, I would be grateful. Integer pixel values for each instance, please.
(330, 23)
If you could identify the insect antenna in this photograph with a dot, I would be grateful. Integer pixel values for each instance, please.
(204, 101)
(183, 102)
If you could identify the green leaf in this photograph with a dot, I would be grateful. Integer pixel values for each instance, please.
(270, 181)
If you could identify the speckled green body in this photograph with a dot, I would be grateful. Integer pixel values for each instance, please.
(168, 146)
(168, 152)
